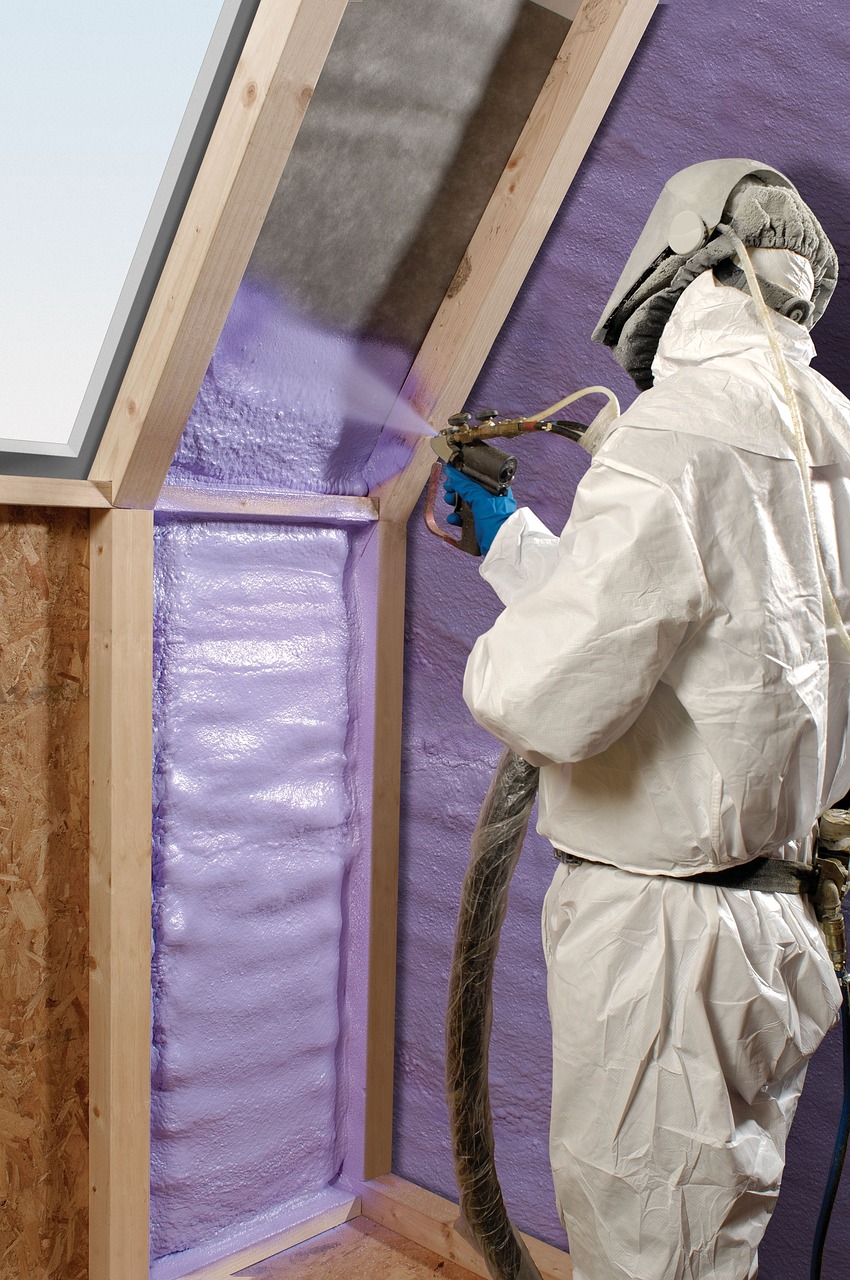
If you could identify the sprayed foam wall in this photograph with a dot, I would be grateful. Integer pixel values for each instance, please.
(254, 837)
(288, 403)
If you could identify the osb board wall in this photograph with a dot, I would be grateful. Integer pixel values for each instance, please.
(43, 893)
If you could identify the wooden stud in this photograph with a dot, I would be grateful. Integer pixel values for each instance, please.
(271, 89)
(44, 491)
(120, 892)
(430, 1220)
(562, 124)
(383, 911)
(305, 508)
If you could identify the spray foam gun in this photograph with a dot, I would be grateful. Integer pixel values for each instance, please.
(463, 445)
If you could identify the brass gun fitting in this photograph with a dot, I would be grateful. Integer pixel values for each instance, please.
(462, 445)
(832, 869)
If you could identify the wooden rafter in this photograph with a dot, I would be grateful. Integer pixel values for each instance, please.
(598, 48)
(560, 128)
(259, 120)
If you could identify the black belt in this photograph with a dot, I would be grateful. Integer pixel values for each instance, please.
(765, 875)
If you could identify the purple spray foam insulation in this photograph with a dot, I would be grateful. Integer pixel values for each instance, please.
(289, 403)
(706, 81)
(257, 830)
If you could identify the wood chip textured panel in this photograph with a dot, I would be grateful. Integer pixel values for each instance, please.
(43, 893)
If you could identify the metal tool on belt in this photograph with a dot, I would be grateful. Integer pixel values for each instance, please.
(826, 879)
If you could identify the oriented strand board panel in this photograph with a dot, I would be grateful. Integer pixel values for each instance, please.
(43, 893)
(358, 1250)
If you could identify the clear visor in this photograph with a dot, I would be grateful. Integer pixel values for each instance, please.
(791, 271)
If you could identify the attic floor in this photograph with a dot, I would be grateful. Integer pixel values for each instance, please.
(357, 1250)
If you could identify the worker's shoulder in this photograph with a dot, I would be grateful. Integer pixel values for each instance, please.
(670, 430)
(703, 411)
(711, 416)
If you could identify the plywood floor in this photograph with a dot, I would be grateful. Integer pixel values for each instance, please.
(357, 1250)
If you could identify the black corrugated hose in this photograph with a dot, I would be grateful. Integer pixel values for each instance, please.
(496, 846)
(840, 1150)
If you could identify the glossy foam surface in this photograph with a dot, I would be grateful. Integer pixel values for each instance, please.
(252, 846)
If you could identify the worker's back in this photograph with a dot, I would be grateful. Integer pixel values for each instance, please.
(666, 661)
(744, 741)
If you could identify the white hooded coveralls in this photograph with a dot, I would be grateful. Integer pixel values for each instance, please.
(667, 664)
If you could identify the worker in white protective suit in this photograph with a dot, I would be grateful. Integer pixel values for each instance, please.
(671, 665)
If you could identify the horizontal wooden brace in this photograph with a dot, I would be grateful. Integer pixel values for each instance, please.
(306, 508)
(313, 1225)
(429, 1220)
(46, 491)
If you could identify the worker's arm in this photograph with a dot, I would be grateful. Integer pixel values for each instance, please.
(572, 660)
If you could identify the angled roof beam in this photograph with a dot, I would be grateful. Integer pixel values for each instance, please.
(284, 53)
(563, 122)
(598, 48)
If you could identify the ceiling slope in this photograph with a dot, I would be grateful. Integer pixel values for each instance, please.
(598, 48)
(261, 116)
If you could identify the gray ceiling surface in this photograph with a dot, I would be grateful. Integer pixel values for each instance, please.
(412, 122)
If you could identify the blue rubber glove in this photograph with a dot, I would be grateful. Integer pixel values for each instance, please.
(488, 511)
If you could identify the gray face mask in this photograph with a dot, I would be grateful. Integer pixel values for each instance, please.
(682, 239)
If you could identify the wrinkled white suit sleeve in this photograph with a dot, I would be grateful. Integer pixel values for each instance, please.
(592, 619)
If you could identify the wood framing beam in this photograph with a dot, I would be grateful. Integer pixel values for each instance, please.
(37, 491)
(120, 892)
(562, 124)
(383, 911)
(314, 1225)
(305, 508)
(429, 1220)
(262, 112)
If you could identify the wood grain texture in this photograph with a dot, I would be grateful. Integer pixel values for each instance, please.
(429, 1220)
(120, 892)
(562, 124)
(383, 912)
(45, 491)
(314, 1225)
(305, 508)
(44, 601)
(259, 120)
(360, 1250)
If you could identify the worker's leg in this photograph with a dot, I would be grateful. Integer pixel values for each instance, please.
(683, 1017)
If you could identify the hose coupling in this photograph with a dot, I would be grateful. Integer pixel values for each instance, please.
(832, 880)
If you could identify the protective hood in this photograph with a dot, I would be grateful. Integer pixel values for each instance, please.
(764, 210)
